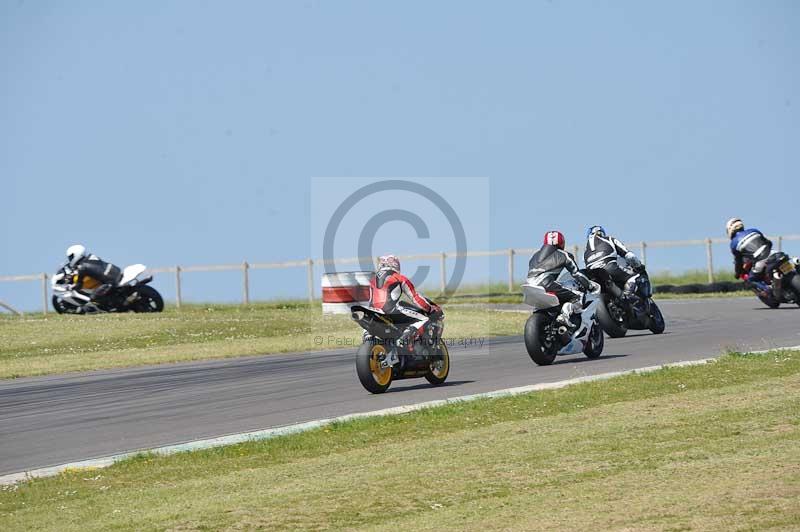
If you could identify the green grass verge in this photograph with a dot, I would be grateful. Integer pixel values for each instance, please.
(39, 344)
(710, 447)
(690, 277)
(498, 292)
(517, 297)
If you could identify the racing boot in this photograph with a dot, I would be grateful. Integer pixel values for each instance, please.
(564, 318)
(407, 339)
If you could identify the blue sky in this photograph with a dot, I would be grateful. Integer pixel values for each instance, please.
(188, 132)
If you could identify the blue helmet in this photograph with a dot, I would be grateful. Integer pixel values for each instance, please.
(595, 229)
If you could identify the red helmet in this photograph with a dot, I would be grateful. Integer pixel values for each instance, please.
(554, 238)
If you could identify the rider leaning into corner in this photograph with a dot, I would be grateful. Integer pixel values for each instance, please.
(95, 276)
(750, 250)
(387, 288)
(603, 251)
(544, 268)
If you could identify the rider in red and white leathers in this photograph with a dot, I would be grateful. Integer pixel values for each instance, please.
(386, 290)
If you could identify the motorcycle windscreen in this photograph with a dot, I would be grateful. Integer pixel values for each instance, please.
(538, 298)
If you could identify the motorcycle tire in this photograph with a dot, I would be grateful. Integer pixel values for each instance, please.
(373, 378)
(795, 282)
(614, 328)
(596, 341)
(149, 300)
(440, 367)
(657, 323)
(534, 328)
(62, 307)
(769, 300)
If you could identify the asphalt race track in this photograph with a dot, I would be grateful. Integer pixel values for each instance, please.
(48, 421)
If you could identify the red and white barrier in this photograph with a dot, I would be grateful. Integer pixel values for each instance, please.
(342, 290)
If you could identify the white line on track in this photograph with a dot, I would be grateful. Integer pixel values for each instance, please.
(242, 437)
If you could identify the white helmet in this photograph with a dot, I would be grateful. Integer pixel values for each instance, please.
(389, 262)
(733, 226)
(75, 253)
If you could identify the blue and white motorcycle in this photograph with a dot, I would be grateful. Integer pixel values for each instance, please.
(546, 338)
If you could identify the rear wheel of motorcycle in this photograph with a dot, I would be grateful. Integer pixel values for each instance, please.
(372, 376)
(795, 282)
(537, 350)
(596, 341)
(62, 307)
(440, 366)
(149, 300)
(657, 323)
(614, 327)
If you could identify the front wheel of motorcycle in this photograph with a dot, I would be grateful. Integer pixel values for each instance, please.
(373, 377)
(149, 300)
(595, 342)
(657, 323)
(440, 365)
(539, 352)
(62, 307)
(613, 322)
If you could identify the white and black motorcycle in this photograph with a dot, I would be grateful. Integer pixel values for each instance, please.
(546, 338)
(131, 294)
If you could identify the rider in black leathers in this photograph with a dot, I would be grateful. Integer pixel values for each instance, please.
(95, 277)
(603, 251)
(544, 268)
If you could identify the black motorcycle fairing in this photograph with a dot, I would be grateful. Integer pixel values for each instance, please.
(780, 280)
(388, 328)
(635, 313)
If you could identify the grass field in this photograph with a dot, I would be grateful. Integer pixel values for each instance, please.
(710, 447)
(36, 344)
(690, 277)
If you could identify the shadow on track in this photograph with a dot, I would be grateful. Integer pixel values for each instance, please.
(638, 334)
(579, 359)
(427, 385)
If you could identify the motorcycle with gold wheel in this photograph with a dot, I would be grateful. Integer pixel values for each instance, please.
(384, 358)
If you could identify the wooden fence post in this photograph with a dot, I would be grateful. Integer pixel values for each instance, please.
(44, 293)
(710, 260)
(510, 270)
(246, 283)
(443, 268)
(177, 287)
(9, 308)
(310, 280)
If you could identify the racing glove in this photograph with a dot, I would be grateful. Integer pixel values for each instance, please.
(633, 260)
(582, 281)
